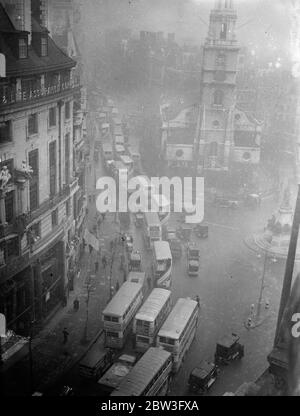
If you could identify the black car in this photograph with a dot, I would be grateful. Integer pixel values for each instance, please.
(203, 376)
(229, 349)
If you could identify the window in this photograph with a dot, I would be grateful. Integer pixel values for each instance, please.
(216, 124)
(23, 48)
(52, 167)
(33, 124)
(52, 117)
(223, 32)
(114, 319)
(67, 110)
(68, 208)
(5, 132)
(67, 158)
(33, 161)
(11, 248)
(9, 206)
(218, 97)
(54, 218)
(44, 46)
(34, 233)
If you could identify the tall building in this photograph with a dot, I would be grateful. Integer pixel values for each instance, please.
(227, 134)
(38, 186)
(213, 134)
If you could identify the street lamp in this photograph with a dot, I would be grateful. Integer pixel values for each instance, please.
(261, 289)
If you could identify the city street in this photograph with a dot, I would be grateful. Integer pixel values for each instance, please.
(228, 284)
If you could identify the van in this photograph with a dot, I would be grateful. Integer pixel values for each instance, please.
(97, 360)
(107, 151)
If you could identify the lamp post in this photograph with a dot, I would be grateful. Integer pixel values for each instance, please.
(31, 374)
(84, 339)
(261, 289)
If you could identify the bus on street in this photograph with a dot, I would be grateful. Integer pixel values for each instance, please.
(150, 317)
(162, 264)
(119, 313)
(149, 377)
(177, 333)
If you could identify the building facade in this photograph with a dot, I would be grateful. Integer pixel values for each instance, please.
(38, 203)
(214, 134)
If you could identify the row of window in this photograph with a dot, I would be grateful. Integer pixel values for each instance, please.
(35, 229)
(33, 118)
(33, 123)
(145, 325)
(23, 47)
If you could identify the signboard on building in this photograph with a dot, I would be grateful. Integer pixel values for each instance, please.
(2, 325)
(91, 240)
(2, 66)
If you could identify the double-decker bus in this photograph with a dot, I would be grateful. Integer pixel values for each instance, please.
(150, 317)
(162, 264)
(149, 377)
(179, 329)
(152, 228)
(119, 313)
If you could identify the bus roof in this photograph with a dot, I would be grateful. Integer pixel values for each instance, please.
(126, 159)
(107, 147)
(153, 305)
(162, 250)
(178, 318)
(152, 218)
(135, 382)
(122, 299)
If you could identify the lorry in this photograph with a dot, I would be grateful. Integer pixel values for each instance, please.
(193, 259)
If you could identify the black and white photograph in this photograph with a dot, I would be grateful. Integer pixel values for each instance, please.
(149, 201)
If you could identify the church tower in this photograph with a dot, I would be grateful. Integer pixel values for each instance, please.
(218, 87)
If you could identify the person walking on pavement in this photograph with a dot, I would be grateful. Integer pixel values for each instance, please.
(65, 335)
(96, 266)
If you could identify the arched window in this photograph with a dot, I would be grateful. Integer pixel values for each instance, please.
(223, 32)
(218, 97)
(213, 149)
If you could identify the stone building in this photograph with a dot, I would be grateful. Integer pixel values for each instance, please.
(214, 134)
(38, 184)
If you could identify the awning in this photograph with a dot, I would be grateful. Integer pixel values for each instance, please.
(91, 240)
